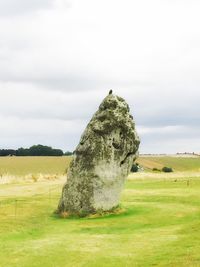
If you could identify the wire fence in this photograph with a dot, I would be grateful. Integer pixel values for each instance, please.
(19, 207)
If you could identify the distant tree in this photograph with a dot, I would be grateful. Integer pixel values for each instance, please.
(167, 169)
(135, 167)
(36, 150)
(68, 153)
(7, 152)
(40, 150)
(22, 152)
(57, 152)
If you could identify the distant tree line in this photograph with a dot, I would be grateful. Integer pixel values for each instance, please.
(36, 150)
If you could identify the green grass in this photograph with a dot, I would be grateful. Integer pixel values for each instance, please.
(159, 227)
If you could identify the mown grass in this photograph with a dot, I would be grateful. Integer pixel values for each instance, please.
(159, 227)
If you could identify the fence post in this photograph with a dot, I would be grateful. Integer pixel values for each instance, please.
(49, 196)
(15, 209)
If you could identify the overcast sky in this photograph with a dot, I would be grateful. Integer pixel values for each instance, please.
(59, 58)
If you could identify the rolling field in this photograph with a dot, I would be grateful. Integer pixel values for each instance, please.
(20, 166)
(159, 224)
(176, 163)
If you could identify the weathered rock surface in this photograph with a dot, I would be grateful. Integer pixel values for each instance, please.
(102, 160)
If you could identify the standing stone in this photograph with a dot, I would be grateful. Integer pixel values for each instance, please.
(102, 160)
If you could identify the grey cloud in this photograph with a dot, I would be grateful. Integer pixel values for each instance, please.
(67, 142)
(66, 83)
(174, 116)
(28, 103)
(72, 105)
(170, 145)
(20, 7)
(170, 139)
(178, 131)
(70, 82)
(17, 132)
(57, 66)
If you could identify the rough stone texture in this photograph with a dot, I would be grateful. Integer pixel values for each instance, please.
(102, 160)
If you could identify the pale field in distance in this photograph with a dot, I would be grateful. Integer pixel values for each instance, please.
(32, 168)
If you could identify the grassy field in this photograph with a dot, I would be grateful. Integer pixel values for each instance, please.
(20, 166)
(176, 163)
(159, 225)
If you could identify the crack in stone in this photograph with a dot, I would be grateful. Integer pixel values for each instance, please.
(128, 155)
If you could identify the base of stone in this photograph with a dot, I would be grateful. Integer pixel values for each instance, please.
(99, 213)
